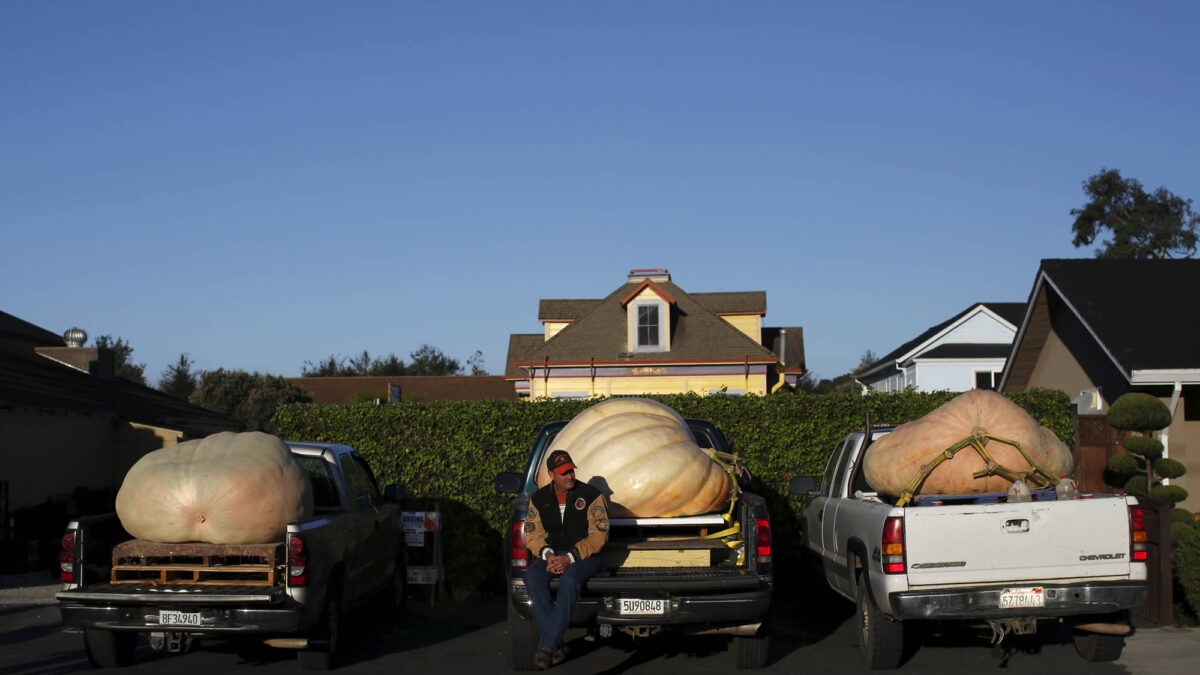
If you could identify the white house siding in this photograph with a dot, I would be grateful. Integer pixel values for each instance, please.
(980, 328)
(956, 375)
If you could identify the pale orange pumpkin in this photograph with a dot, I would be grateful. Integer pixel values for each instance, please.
(642, 455)
(226, 488)
(894, 460)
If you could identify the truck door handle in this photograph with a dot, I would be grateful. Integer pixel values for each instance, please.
(1016, 525)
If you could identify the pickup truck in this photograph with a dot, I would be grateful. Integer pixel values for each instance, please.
(983, 559)
(291, 593)
(677, 573)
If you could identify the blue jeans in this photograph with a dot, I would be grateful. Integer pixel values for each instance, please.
(551, 617)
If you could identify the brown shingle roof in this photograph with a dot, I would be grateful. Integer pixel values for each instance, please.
(697, 334)
(521, 347)
(737, 302)
(793, 351)
(564, 310)
(426, 387)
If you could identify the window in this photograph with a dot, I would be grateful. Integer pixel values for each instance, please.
(360, 482)
(987, 379)
(647, 326)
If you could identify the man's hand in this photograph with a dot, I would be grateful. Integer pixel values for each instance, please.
(557, 564)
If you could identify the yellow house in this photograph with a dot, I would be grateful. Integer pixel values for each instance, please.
(649, 336)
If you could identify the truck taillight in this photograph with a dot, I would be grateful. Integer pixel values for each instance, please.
(1139, 551)
(762, 543)
(66, 558)
(297, 561)
(893, 545)
(518, 555)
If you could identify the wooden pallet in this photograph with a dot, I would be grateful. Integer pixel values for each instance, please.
(156, 563)
(665, 552)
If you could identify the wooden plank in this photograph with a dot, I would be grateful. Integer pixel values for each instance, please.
(657, 558)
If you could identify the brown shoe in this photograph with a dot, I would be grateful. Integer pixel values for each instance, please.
(541, 659)
(559, 655)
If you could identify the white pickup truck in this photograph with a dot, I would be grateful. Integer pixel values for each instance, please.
(974, 558)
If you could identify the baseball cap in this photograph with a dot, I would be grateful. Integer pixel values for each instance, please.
(560, 462)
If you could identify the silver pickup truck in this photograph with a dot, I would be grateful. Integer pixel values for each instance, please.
(290, 593)
(982, 559)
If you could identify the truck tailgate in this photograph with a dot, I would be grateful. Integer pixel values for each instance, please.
(175, 594)
(1013, 542)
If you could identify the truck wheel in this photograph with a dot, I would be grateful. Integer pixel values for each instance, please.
(398, 587)
(109, 648)
(324, 641)
(1099, 647)
(750, 653)
(880, 640)
(523, 640)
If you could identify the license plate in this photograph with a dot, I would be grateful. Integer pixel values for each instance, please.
(168, 617)
(1020, 598)
(639, 606)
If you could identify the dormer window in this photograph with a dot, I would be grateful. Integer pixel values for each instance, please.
(648, 318)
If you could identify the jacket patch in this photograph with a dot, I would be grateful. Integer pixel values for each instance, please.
(579, 504)
(529, 526)
(598, 511)
(602, 525)
(531, 514)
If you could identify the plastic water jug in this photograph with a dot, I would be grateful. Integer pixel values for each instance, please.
(1019, 492)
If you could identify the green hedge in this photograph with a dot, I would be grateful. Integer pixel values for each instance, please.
(452, 450)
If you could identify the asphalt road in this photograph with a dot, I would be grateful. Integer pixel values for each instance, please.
(470, 637)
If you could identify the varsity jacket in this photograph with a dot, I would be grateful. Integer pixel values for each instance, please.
(582, 529)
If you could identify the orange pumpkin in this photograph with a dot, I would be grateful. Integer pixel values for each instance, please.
(224, 489)
(894, 460)
(642, 455)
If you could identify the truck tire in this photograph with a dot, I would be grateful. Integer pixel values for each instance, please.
(523, 640)
(1098, 647)
(324, 642)
(880, 640)
(750, 653)
(109, 648)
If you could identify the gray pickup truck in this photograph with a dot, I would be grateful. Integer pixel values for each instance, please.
(694, 574)
(290, 594)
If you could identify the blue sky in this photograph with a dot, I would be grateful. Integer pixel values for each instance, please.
(260, 184)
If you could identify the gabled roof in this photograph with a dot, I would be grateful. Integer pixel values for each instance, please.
(21, 336)
(737, 302)
(1009, 312)
(791, 350)
(697, 334)
(564, 310)
(1143, 314)
(968, 350)
(520, 347)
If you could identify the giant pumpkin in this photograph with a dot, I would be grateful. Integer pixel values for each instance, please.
(641, 454)
(897, 458)
(227, 488)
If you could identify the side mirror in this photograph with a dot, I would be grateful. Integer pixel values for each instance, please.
(509, 482)
(802, 486)
(395, 492)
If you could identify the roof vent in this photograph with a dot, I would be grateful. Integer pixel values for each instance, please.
(75, 337)
(657, 274)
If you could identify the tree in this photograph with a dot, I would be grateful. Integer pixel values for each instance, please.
(429, 360)
(476, 363)
(361, 365)
(178, 380)
(1143, 225)
(123, 365)
(1139, 472)
(247, 398)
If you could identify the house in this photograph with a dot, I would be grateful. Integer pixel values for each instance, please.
(401, 387)
(66, 423)
(649, 336)
(965, 352)
(1097, 329)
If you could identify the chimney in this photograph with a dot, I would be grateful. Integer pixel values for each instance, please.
(656, 275)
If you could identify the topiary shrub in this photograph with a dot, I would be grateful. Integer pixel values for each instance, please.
(1179, 515)
(1171, 494)
(1139, 412)
(1136, 485)
(1124, 465)
(1143, 445)
(1185, 570)
(1169, 468)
